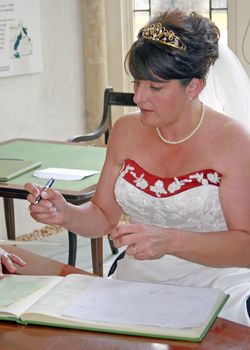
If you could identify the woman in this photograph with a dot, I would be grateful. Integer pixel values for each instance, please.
(8, 260)
(177, 168)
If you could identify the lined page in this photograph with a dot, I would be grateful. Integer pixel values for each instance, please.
(122, 302)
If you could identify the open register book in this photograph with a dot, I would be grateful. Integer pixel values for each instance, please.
(106, 305)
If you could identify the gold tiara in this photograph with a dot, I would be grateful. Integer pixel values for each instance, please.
(161, 34)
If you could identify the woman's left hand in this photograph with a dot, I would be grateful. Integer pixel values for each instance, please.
(142, 241)
(8, 260)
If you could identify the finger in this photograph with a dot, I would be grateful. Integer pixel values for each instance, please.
(34, 192)
(7, 263)
(31, 198)
(17, 260)
(43, 206)
(131, 250)
(48, 219)
(126, 240)
(121, 230)
(45, 194)
(32, 188)
(45, 218)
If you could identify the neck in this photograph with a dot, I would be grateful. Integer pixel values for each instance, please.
(189, 134)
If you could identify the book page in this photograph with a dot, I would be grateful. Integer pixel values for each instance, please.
(60, 297)
(113, 301)
(19, 292)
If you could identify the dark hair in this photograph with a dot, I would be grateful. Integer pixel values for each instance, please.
(152, 60)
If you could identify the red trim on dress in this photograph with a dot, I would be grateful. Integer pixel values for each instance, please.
(157, 186)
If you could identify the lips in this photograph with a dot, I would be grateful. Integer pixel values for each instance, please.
(145, 110)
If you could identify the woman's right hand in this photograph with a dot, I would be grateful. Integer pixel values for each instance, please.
(52, 208)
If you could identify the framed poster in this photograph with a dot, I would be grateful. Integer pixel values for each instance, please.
(20, 37)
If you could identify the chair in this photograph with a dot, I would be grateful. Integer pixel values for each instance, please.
(111, 98)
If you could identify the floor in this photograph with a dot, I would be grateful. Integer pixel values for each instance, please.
(56, 247)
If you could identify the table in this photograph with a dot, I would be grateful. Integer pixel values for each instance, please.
(61, 155)
(223, 335)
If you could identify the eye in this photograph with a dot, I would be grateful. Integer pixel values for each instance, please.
(135, 83)
(155, 87)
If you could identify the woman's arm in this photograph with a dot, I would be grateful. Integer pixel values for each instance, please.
(91, 219)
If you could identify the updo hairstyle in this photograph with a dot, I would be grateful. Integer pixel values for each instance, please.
(155, 61)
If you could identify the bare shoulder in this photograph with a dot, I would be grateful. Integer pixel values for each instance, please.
(127, 121)
(126, 128)
(231, 141)
(123, 135)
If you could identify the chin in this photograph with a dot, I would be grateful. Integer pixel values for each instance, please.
(147, 120)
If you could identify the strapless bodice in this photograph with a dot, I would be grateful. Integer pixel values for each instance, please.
(189, 202)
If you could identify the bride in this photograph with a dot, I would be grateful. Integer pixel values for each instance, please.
(178, 168)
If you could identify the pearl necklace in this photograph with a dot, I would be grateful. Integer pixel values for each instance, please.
(188, 136)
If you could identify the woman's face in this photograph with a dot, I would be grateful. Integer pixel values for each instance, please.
(161, 103)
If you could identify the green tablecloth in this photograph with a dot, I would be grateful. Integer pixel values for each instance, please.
(56, 155)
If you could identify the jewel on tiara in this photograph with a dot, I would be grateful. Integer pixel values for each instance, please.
(161, 34)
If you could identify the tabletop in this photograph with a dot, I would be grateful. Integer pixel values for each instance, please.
(57, 155)
(223, 335)
(54, 154)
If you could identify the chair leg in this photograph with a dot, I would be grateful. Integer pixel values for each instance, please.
(97, 255)
(96, 251)
(9, 217)
(72, 248)
(114, 250)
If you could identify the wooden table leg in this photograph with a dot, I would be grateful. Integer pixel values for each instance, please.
(9, 217)
(97, 255)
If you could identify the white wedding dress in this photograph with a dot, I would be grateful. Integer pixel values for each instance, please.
(190, 202)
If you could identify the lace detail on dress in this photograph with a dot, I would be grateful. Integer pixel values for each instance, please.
(190, 202)
(160, 187)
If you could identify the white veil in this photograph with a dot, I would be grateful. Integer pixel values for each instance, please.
(227, 87)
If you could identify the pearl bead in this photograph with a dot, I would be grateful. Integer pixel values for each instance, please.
(188, 136)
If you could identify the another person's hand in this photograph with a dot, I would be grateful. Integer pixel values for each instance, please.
(8, 260)
(142, 241)
(51, 209)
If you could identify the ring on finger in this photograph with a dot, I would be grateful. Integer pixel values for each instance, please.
(134, 250)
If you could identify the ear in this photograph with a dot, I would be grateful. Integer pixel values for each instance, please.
(194, 88)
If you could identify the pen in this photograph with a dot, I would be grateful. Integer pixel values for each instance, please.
(48, 185)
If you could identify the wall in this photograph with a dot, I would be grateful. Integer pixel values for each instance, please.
(47, 105)
(119, 31)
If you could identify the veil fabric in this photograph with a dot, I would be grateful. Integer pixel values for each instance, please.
(227, 87)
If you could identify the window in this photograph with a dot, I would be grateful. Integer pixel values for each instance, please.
(216, 10)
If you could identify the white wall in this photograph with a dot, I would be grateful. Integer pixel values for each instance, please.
(47, 105)
(119, 31)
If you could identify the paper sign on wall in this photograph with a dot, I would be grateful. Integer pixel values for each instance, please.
(20, 37)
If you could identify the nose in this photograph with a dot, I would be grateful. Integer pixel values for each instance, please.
(140, 93)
